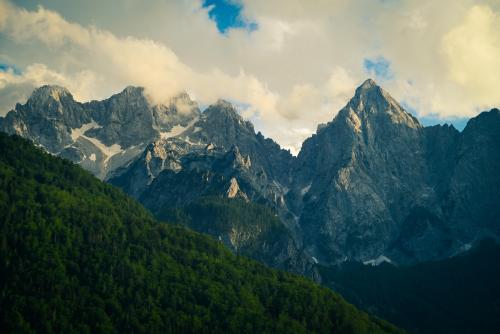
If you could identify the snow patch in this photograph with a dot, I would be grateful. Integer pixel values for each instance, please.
(108, 151)
(76, 133)
(188, 140)
(177, 130)
(379, 260)
(305, 190)
(315, 260)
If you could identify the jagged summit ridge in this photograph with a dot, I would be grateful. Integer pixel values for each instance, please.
(225, 104)
(101, 136)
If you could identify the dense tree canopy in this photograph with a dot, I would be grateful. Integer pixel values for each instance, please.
(77, 255)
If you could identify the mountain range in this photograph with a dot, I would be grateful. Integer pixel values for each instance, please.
(371, 185)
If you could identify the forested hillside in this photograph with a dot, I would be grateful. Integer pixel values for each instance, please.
(77, 255)
(247, 228)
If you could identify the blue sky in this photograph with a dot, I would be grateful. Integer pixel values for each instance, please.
(227, 15)
(8, 67)
(428, 120)
(379, 68)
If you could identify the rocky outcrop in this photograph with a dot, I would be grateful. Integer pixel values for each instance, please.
(234, 190)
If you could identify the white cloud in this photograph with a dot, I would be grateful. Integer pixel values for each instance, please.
(42, 24)
(15, 87)
(297, 70)
(472, 50)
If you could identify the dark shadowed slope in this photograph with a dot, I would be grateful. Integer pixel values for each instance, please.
(456, 295)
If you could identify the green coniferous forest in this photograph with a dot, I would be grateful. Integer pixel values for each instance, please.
(77, 255)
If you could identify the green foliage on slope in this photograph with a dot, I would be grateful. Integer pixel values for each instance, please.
(77, 255)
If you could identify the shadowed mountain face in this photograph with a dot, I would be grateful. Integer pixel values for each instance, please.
(372, 183)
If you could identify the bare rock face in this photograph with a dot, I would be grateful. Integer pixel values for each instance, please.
(221, 125)
(101, 136)
(217, 154)
(462, 171)
(374, 182)
(47, 118)
(363, 172)
(234, 190)
(202, 173)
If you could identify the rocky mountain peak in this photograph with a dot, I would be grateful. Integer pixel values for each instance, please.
(53, 91)
(223, 116)
(49, 94)
(182, 96)
(367, 84)
(182, 105)
(132, 90)
(485, 122)
(131, 95)
(224, 104)
(223, 108)
(369, 90)
(371, 103)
